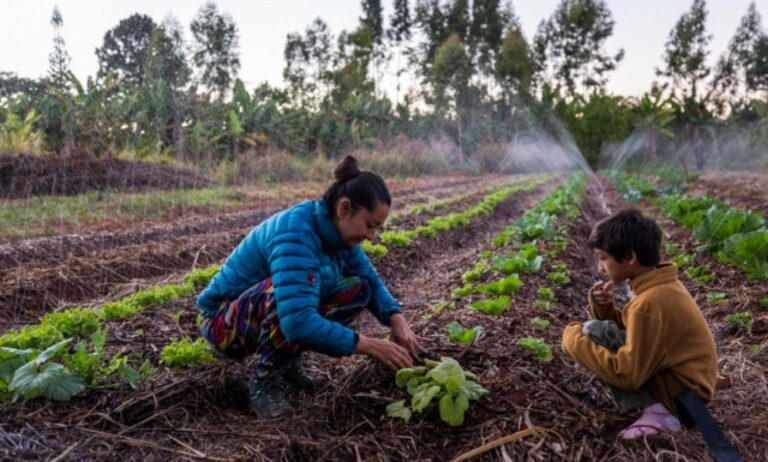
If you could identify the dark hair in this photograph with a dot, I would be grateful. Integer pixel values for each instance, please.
(626, 231)
(363, 188)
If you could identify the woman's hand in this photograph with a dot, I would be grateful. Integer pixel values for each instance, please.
(402, 334)
(391, 354)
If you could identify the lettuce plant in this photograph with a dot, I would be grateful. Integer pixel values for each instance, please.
(185, 354)
(546, 293)
(373, 250)
(507, 286)
(492, 306)
(714, 297)
(539, 323)
(446, 382)
(459, 334)
(539, 347)
(743, 319)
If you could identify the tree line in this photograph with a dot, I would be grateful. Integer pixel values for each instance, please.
(459, 69)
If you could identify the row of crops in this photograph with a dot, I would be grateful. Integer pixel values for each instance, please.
(731, 235)
(66, 352)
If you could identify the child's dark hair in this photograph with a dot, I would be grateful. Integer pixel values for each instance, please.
(627, 231)
(363, 188)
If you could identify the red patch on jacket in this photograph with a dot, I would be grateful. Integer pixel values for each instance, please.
(310, 278)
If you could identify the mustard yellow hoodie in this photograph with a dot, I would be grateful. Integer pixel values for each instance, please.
(668, 341)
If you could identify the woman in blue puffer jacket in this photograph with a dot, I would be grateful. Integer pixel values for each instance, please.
(295, 283)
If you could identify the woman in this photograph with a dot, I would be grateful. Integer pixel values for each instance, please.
(295, 283)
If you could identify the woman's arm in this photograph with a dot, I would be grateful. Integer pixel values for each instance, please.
(383, 304)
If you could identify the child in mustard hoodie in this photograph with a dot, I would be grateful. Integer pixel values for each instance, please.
(657, 346)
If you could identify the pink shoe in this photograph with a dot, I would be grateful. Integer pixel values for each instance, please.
(655, 419)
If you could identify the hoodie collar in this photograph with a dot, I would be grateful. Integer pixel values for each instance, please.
(329, 236)
(664, 274)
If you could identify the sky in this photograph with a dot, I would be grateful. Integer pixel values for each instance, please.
(26, 35)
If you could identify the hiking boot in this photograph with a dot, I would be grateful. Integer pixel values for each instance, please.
(267, 397)
(295, 375)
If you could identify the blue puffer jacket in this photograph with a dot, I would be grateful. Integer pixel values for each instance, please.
(302, 251)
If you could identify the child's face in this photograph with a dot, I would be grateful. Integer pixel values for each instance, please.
(616, 271)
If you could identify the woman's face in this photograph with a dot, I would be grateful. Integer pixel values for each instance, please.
(355, 226)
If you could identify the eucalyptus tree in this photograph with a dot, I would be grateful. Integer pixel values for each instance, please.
(734, 84)
(569, 46)
(215, 48)
(685, 67)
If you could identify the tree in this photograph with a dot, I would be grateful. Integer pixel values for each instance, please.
(400, 22)
(451, 72)
(166, 59)
(216, 53)
(686, 52)
(308, 62)
(757, 66)
(515, 66)
(125, 47)
(58, 59)
(372, 17)
(570, 45)
(490, 20)
(399, 32)
(730, 77)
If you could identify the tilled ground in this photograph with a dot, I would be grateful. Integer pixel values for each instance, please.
(743, 190)
(201, 414)
(43, 274)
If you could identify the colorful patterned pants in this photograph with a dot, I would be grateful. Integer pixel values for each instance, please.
(249, 325)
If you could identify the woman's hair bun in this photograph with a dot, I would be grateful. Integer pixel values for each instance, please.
(346, 169)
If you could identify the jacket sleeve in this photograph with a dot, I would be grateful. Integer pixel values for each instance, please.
(238, 274)
(604, 313)
(633, 364)
(295, 273)
(383, 304)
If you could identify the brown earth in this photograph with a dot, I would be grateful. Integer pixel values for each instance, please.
(200, 414)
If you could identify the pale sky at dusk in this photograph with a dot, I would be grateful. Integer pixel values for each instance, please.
(26, 35)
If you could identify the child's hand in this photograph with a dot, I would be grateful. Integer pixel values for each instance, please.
(602, 293)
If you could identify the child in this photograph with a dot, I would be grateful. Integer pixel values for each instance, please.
(655, 348)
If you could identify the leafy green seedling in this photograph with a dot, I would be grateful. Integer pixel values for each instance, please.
(492, 306)
(683, 260)
(539, 323)
(671, 247)
(543, 305)
(443, 304)
(743, 319)
(539, 347)
(476, 272)
(558, 277)
(764, 303)
(507, 286)
(373, 250)
(459, 334)
(465, 291)
(700, 274)
(444, 381)
(755, 349)
(546, 293)
(185, 354)
(73, 322)
(714, 297)
(397, 238)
